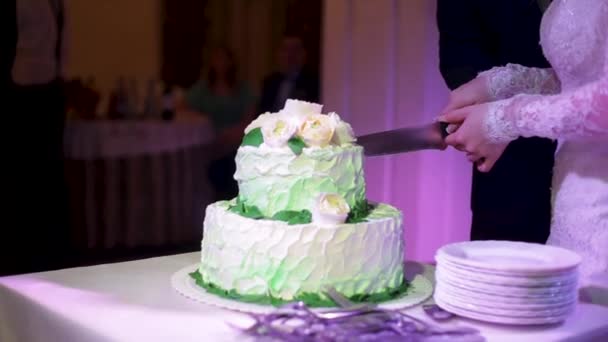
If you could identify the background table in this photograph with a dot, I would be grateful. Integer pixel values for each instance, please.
(134, 301)
(136, 183)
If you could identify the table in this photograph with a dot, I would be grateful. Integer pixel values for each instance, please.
(136, 183)
(134, 301)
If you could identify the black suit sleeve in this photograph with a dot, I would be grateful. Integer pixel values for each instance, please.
(8, 40)
(463, 49)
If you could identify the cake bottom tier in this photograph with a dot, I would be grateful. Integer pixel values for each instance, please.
(247, 257)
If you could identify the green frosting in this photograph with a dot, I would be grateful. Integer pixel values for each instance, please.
(276, 180)
(310, 299)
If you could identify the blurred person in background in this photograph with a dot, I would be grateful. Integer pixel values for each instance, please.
(32, 54)
(292, 80)
(229, 103)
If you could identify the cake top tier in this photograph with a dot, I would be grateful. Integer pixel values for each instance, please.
(300, 161)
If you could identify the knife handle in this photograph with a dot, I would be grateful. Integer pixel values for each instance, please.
(443, 127)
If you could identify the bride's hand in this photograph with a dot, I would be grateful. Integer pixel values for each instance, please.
(471, 136)
(468, 94)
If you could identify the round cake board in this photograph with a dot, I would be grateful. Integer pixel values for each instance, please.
(420, 290)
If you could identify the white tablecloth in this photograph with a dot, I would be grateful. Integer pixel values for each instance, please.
(134, 301)
(137, 184)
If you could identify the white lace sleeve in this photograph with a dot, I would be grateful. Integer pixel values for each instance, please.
(579, 113)
(512, 79)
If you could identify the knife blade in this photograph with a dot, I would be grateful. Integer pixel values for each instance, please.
(402, 140)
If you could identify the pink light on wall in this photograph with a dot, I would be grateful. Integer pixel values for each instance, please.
(380, 71)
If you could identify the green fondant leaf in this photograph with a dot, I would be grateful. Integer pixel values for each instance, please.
(254, 138)
(293, 216)
(359, 212)
(311, 299)
(296, 144)
(249, 211)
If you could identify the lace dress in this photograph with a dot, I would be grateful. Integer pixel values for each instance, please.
(569, 103)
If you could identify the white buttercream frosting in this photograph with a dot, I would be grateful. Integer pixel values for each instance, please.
(266, 257)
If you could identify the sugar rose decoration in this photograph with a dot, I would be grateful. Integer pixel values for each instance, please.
(277, 131)
(297, 111)
(343, 133)
(317, 130)
(330, 208)
(297, 107)
(300, 124)
(259, 121)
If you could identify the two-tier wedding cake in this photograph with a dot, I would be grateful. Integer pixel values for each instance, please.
(301, 223)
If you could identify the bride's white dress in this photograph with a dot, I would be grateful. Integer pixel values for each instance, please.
(569, 103)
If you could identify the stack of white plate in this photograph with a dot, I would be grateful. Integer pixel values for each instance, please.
(507, 282)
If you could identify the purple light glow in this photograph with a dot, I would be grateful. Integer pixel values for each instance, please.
(389, 78)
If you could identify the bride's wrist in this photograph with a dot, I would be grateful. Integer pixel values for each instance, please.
(498, 127)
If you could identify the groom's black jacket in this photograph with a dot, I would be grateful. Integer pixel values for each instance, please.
(512, 202)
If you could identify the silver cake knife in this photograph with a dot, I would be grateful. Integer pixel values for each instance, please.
(408, 139)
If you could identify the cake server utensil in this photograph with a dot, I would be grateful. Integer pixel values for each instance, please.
(345, 303)
(408, 139)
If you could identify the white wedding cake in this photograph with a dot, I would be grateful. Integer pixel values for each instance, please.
(301, 222)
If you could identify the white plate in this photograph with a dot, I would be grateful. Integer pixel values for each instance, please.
(420, 290)
(501, 303)
(500, 319)
(570, 278)
(503, 312)
(508, 256)
(485, 309)
(511, 300)
(507, 291)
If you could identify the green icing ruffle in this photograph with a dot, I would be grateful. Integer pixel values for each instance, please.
(314, 300)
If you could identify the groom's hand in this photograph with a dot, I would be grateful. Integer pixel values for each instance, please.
(468, 94)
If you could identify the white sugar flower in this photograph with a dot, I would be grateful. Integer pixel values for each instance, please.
(277, 131)
(297, 111)
(302, 107)
(259, 121)
(317, 130)
(295, 118)
(343, 133)
(330, 208)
